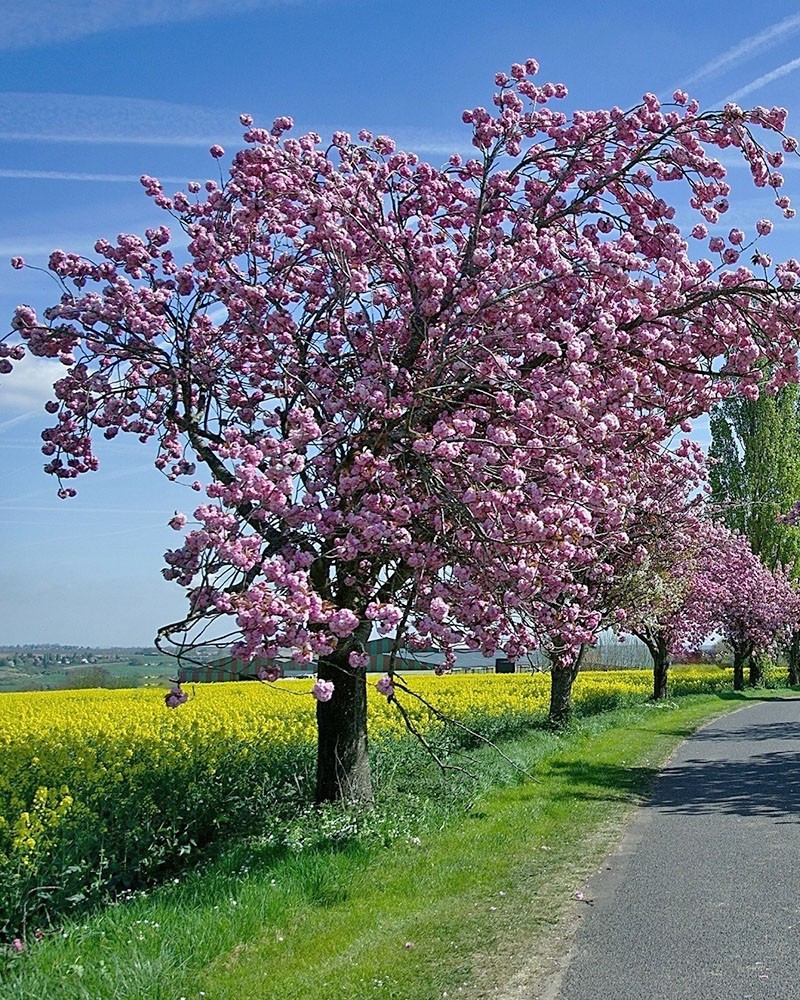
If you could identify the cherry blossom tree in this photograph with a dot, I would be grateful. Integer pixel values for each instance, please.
(413, 396)
(636, 576)
(670, 535)
(735, 594)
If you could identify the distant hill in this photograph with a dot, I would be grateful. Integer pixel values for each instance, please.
(49, 666)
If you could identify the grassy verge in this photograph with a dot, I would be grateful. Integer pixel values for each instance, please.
(466, 899)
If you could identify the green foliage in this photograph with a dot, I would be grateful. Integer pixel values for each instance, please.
(93, 676)
(65, 856)
(755, 471)
(774, 674)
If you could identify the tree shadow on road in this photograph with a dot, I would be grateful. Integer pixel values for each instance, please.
(765, 784)
(741, 784)
(782, 730)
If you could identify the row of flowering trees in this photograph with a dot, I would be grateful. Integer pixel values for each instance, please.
(754, 608)
(711, 582)
(683, 576)
(430, 401)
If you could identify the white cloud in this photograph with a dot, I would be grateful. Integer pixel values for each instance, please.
(25, 391)
(41, 245)
(746, 49)
(101, 120)
(6, 425)
(81, 510)
(49, 22)
(425, 140)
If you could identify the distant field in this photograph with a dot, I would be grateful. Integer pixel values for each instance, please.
(28, 670)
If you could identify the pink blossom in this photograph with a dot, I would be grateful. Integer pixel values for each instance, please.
(18, 263)
(217, 151)
(269, 672)
(438, 609)
(385, 686)
(282, 124)
(18, 945)
(343, 622)
(416, 407)
(386, 616)
(175, 696)
(322, 690)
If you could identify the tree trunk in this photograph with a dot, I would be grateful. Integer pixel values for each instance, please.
(756, 671)
(564, 667)
(657, 645)
(660, 655)
(739, 656)
(794, 658)
(343, 771)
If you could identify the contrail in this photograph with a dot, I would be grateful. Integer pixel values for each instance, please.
(747, 48)
(5, 424)
(64, 175)
(49, 22)
(762, 81)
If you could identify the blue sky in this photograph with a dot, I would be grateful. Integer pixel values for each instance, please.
(97, 92)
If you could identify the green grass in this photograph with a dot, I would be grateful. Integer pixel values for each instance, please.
(470, 892)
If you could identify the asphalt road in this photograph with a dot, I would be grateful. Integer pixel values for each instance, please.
(702, 900)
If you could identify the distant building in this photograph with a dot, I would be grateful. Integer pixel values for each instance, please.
(609, 653)
(226, 668)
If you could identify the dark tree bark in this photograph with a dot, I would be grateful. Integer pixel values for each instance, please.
(657, 646)
(564, 667)
(660, 672)
(740, 653)
(756, 670)
(794, 658)
(343, 770)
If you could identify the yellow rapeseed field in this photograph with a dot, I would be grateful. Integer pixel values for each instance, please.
(101, 788)
(46, 732)
(75, 738)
